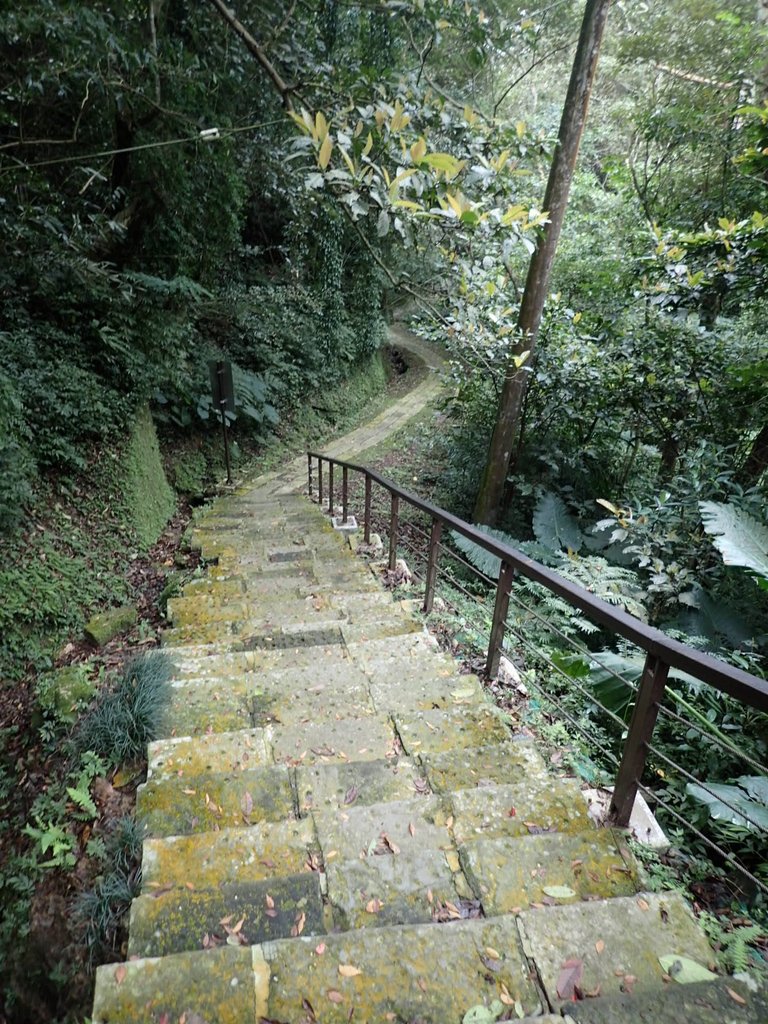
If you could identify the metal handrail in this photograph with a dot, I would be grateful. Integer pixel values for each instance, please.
(662, 653)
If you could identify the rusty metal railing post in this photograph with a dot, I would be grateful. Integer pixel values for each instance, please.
(344, 493)
(330, 487)
(320, 480)
(434, 554)
(367, 512)
(649, 696)
(309, 475)
(500, 609)
(393, 527)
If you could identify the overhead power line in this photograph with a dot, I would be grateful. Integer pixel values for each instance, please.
(204, 135)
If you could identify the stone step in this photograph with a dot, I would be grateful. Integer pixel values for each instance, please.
(536, 806)
(413, 692)
(239, 635)
(260, 853)
(433, 731)
(190, 756)
(180, 920)
(330, 787)
(725, 1001)
(399, 854)
(195, 663)
(432, 974)
(184, 612)
(256, 700)
(182, 806)
(511, 761)
(618, 943)
(335, 742)
(510, 874)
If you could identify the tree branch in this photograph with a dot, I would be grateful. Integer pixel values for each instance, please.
(257, 51)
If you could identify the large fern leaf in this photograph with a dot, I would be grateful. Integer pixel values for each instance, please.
(741, 539)
(483, 560)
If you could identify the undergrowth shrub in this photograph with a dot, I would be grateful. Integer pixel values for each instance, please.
(128, 715)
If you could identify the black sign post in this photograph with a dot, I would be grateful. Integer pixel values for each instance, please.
(223, 390)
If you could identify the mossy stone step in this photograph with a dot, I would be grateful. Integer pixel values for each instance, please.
(725, 1001)
(188, 756)
(218, 985)
(364, 628)
(260, 853)
(511, 761)
(433, 974)
(334, 742)
(398, 854)
(245, 634)
(182, 806)
(536, 806)
(394, 651)
(618, 941)
(420, 692)
(508, 875)
(188, 611)
(180, 920)
(205, 663)
(433, 731)
(323, 787)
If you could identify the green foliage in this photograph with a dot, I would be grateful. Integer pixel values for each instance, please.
(128, 714)
(746, 804)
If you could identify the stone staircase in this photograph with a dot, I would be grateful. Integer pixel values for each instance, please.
(340, 827)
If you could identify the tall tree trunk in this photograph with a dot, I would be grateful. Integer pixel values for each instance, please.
(572, 123)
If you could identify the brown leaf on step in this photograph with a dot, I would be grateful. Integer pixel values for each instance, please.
(120, 973)
(189, 792)
(643, 904)
(505, 997)
(225, 920)
(393, 847)
(298, 926)
(452, 909)
(493, 953)
(312, 863)
(269, 902)
(309, 1010)
(189, 886)
(421, 785)
(351, 795)
(247, 804)
(569, 979)
(373, 906)
(599, 946)
(268, 864)
(664, 915)
(236, 928)
(511, 812)
(735, 996)
(320, 948)
(583, 993)
(430, 897)
(334, 996)
(270, 913)
(422, 984)
(161, 890)
(348, 971)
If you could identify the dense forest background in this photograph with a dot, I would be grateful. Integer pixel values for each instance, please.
(179, 184)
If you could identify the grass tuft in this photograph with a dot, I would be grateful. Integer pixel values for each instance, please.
(128, 716)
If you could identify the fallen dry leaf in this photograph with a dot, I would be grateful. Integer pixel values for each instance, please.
(599, 946)
(492, 953)
(351, 795)
(348, 971)
(120, 973)
(320, 948)
(643, 904)
(411, 828)
(569, 978)
(735, 996)
(298, 926)
(269, 901)
(505, 997)
(373, 906)
(334, 996)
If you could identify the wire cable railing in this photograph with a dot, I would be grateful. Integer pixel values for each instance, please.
(400, 517)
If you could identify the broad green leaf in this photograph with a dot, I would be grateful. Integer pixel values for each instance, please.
(559, 892)
(554, 526)
(684, 970)
(753, 816)
(444, 162)
(418, 150)
(483, 1014)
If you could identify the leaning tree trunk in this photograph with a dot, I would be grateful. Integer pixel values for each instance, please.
(572, 123)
